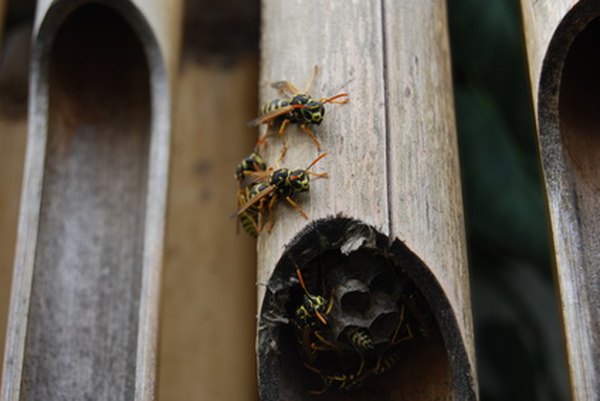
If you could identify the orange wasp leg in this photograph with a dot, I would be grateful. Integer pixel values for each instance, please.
(312, 136)
(295, 206)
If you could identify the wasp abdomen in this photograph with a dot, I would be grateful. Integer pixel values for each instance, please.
(273, 106)
(360, 338)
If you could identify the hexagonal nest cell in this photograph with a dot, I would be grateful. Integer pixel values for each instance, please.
(349, 314)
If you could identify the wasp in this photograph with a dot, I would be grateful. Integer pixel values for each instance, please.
(390, 357)
(309, 318)
(295, 107)
(360, 338)
(280, 183)
(250, 219)
(251, 163)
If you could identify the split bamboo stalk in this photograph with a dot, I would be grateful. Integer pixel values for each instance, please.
(393, 186)
(84, 306)
(561, 39)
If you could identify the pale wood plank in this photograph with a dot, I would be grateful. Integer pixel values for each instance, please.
(392, 164)
(561, 40)
(425, 190)
(83, 320)
(208, 314)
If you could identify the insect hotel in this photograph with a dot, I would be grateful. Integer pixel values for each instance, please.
(245, 200)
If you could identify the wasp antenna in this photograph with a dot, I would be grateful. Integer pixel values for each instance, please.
(302, 284)
(322, 155)
(333, 99)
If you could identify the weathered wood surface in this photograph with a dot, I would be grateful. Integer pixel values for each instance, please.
(392, 162)
(14, 65)
(562, 50)
(84, 308)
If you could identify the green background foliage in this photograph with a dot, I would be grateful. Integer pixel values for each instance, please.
(517, 326)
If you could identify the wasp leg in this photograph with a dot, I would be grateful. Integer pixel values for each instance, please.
(329, 345)
(295, 206)
(312, 136)
(395, 340)
(284, 147)
(317, 371)
(271, 207)
(262, 141)
(312, 79)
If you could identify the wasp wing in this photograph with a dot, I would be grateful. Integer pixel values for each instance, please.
(273, 115)
(285, 88)
(255, 177)
(261, 195)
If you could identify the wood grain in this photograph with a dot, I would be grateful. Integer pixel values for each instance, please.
(83, 319)
(392, 162)
(561, 40)
(208, 315)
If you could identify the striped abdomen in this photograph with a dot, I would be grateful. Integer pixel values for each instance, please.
(273, 106)
(387, 361)
(250, 217)
(360, 338)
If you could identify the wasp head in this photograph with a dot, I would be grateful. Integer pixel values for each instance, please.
(252, 162)
(299, 180)
(312, 113)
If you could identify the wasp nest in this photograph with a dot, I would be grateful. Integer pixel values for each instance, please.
(367, 308)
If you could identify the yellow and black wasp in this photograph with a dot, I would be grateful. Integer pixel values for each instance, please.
(310, 318)
(295, 107)
(250, 219)
(392, 354)
(267, 187)
(249, 164)
(360, 338)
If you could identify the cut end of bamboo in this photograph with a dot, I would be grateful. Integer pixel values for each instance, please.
(390, 331)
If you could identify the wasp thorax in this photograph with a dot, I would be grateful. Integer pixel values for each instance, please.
(300, 99)
(279, 177)
(299, 180)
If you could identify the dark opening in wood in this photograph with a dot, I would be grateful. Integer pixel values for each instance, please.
(580, 129)
(377, 288)
(82, 331)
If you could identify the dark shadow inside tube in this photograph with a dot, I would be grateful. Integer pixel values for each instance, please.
(579, 117)
(373, 284)
(82, 328)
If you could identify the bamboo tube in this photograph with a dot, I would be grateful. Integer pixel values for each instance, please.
(208, 297)
(392, 200)
(561, 39)
(14, 61)
(83, 317)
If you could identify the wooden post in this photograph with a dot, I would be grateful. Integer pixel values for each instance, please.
(562, 50)
(83, 318)
(208, 314)
(14, 65)
(390, 215)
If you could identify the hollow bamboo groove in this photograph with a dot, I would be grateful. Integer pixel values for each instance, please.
(83, 317)
(387, 220)
(561, 39)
